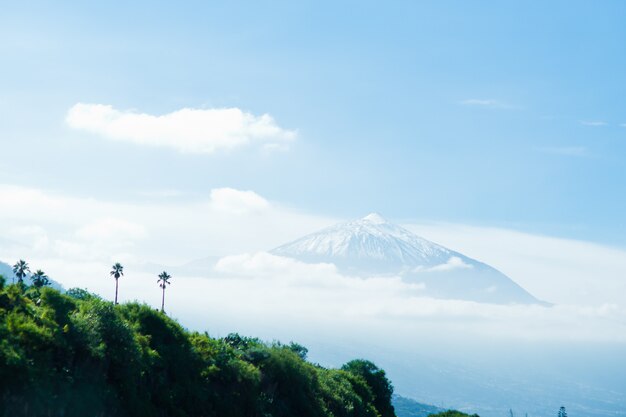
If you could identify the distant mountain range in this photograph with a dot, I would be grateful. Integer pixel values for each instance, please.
(372, 246)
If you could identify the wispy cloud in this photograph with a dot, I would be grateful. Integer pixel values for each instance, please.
(186, 130)
(236, 201)
(564, 150)
(594, 123)
(454, 263)
(111, 228)
(161, 193)
(486, 103)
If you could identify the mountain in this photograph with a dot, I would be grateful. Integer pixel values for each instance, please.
(372, 246)
(7, 272)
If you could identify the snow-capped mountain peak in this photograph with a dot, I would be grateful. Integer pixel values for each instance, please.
(374, 218)
(373, 246)
(370, 239)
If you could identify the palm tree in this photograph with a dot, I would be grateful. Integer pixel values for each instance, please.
(164, 280)
(117, 272)
(20, 269)
(40, 279)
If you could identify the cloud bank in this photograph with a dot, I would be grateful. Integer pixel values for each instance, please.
(186, 130)
(250, 287)
(237, 201)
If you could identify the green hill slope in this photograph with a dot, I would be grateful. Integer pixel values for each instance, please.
(76, 355)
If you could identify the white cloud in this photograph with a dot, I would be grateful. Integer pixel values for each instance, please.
(487, 103)
(111, 228)
(186, 130)
(454, 263)
(236, 201)
(226, 222)
(290, 272)
(563, 271)
(31, 235)
(594, 123)
(266, 287)
(263, 265)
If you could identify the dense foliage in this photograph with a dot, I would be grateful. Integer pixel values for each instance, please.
(453, 413)
(74, 354)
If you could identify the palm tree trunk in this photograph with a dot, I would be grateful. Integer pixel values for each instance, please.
(163, 300)
(116, 280)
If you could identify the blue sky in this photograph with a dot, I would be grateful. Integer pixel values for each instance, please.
(483, 113)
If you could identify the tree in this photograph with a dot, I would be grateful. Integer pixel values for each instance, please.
(117, 272)
(382, 390)
(40, 279)
(20, 269)
(164, 280)
(562, 412)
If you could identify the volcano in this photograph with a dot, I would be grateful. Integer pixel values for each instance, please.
(372, 246)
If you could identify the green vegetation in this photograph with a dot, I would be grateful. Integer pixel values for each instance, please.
(117, 271)
(75, 354)
(453, 413)
(20, 269)
(40, 279)
(164, 281)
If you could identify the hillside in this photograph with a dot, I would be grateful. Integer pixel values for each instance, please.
(75, 354)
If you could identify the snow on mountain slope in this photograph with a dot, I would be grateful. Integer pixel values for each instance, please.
(372, 246)
(370, 239)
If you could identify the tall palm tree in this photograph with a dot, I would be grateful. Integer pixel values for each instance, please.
(40, 279)
(117, 271)
(164, 280)
(20, 269)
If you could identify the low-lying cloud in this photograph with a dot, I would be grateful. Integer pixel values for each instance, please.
(452, 264)
(237, 201)
(248, 285)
